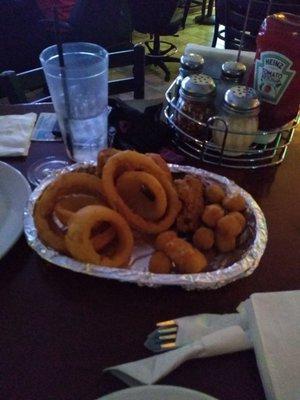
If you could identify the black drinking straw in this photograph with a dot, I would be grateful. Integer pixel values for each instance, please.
(63, 80)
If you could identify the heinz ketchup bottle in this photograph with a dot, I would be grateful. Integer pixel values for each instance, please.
(276, 72)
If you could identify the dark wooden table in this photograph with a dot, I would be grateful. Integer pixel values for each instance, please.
(59, 329)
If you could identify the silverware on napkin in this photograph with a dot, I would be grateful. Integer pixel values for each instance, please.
(268, 322)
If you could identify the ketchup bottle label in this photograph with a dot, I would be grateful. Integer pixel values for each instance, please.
(272, 76)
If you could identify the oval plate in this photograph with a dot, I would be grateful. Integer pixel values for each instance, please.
(225, 269)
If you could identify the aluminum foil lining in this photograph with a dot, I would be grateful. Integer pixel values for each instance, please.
(221, 271)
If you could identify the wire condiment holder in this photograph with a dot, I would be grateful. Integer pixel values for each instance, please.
(269, 147)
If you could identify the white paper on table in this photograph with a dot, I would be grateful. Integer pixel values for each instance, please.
(15, 134)
(274, 324)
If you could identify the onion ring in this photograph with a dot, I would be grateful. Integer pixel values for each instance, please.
(80, 245)
(161, 163)
(104, 238)
(131, 160)
(131, 187)
(68, 205)
(105, 154)
(73, 182)
(102, 158)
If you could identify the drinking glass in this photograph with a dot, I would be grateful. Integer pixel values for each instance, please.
(79, 92)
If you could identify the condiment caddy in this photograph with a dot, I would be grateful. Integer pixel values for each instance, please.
(266, 148)
(227, 122)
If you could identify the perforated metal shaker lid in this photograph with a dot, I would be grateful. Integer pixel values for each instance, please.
(233, 70)
(242, 99)
(192, 62)
(198, 87)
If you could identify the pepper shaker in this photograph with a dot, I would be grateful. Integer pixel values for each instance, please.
(196, 98)
(191, 63)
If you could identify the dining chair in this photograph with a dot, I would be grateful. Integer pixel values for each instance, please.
(187, 4)
(230, 20)
(17, 87)
(107, 23)
(158, 18)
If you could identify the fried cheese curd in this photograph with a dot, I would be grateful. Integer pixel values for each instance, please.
(190, 193)
(225, 244)
(227, 230)
(187, 259)
(211, 214)
(239, 216)
(234, 203)
(214, 193)
(160, 263)
(203, 238)
(229, 225)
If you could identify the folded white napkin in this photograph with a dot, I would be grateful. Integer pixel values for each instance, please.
(152, 369)
(15, 134)
(270, 322)
(274, 327)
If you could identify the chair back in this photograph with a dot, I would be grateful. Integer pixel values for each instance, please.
(235, 14)
(153, 16)
(105, 22)
(16, 87)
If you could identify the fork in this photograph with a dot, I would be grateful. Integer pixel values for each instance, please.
(166, 334)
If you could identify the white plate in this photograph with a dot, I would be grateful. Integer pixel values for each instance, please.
(157, 392)
(14, 193)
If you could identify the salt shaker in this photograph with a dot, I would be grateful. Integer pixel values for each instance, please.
(196, 98)
(240, 111)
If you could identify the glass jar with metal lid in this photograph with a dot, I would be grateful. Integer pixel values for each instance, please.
(196, 100)
(190, 63)
(233, 71)
(239, 111)
(232, 74)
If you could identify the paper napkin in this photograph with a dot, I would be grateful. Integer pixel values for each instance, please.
(269, 322)
(15, 134)
(152, 369)
(274, 327)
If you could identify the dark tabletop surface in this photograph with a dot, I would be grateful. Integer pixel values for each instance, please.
(60, 329)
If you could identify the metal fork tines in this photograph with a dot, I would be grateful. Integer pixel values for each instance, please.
(167, 333)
